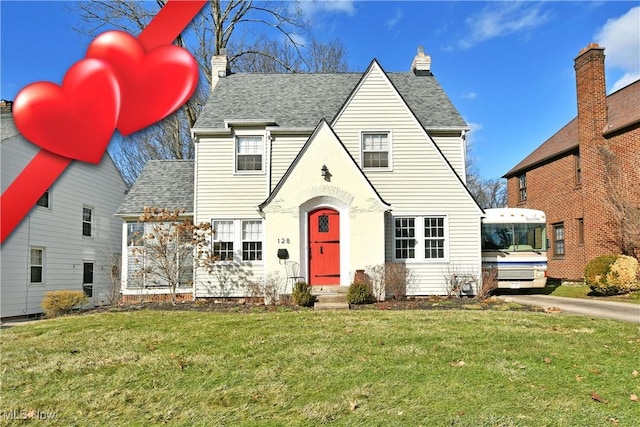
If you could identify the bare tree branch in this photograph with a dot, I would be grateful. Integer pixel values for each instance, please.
(257, 30)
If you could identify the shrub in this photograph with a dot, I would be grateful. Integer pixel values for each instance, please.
(623, 274)
(301, 294)
(359, 293)
(612, 274)
(59, 303)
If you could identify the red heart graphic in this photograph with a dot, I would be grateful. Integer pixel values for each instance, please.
(154, 84)
(75, 120)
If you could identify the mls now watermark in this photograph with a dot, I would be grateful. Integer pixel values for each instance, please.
(32, 414)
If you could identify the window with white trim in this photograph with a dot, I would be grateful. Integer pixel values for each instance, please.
(252, 240)
(375, 150)
(240, 238)
(249, 153)
(223, 240)
(434, 237)
(44, 200)
(36, 266)
(405, 238)
(87, 221)
(135, 234)
(420, 238)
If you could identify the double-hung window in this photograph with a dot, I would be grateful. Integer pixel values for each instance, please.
(87, 221)
(249, 153)
(242, 238)
(376, 150)
(405, 238)
(252, 240)
(558, 239)
(420, 238)
(434, 237)
(223, 240)
(522, 187)
(36, 261)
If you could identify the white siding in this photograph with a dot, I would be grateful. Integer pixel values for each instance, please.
(221, 193)
(284, 150)
(59, 230)
(420, 181)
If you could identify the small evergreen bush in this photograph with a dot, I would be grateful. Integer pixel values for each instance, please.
(301, 294)
(59, 303)
(612, 274)
(359, 293)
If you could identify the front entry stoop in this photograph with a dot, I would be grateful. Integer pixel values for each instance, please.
(330, 297)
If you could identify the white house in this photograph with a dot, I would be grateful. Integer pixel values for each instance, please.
(333, 173)
(70, 240)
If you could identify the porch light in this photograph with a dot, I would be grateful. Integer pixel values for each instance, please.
(324, 171)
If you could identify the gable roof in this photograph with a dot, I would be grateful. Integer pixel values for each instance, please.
(623, 110)
(163, 183)
(300, 100)
(321, 126)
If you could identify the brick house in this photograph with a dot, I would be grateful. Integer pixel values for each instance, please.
(585, 169)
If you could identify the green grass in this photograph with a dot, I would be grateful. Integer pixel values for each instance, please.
(555, 289)
(306, 368)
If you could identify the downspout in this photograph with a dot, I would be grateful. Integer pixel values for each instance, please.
(194, 275)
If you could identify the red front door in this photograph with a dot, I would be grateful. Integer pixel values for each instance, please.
(324, 247)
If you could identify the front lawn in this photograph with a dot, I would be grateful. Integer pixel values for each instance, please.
(577, 290)
(355, 368)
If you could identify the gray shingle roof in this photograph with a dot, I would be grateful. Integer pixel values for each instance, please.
(162, 183)
(301, 100)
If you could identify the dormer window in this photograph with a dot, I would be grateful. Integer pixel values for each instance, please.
(249, 153)
(376, 148)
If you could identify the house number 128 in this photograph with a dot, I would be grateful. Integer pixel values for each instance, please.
(284, 240)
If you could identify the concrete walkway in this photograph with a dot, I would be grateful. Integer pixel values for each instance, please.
(623, 311)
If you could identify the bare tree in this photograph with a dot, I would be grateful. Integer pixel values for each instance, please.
(172, 245)
(489, 193)
(261, 36)
(621, 202)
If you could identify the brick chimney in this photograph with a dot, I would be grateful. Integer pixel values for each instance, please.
(591, 93)
(421, 65)
(592, 118)
(219, 67)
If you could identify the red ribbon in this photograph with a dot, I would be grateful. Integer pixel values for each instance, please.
(43, 170)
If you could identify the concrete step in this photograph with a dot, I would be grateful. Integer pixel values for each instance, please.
(331, 306)
(324, 289)
(331, 298)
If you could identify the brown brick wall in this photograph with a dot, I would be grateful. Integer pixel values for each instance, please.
(551, 187)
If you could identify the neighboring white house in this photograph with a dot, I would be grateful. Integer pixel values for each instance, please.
(69, 240)
(332, 173)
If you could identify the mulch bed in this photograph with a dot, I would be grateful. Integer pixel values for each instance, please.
(248, 306)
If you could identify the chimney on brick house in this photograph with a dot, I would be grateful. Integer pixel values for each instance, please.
(591, 93)
(219, 67)
(421, 65)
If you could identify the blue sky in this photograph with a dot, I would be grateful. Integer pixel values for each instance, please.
(507, 66)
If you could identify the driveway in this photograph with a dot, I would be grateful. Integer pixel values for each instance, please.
(623, 311)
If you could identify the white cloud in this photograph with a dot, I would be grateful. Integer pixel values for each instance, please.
(472, 135)
(393, 21)
(470, 95)
(499, 19)
(312, 7)
(621, 39)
